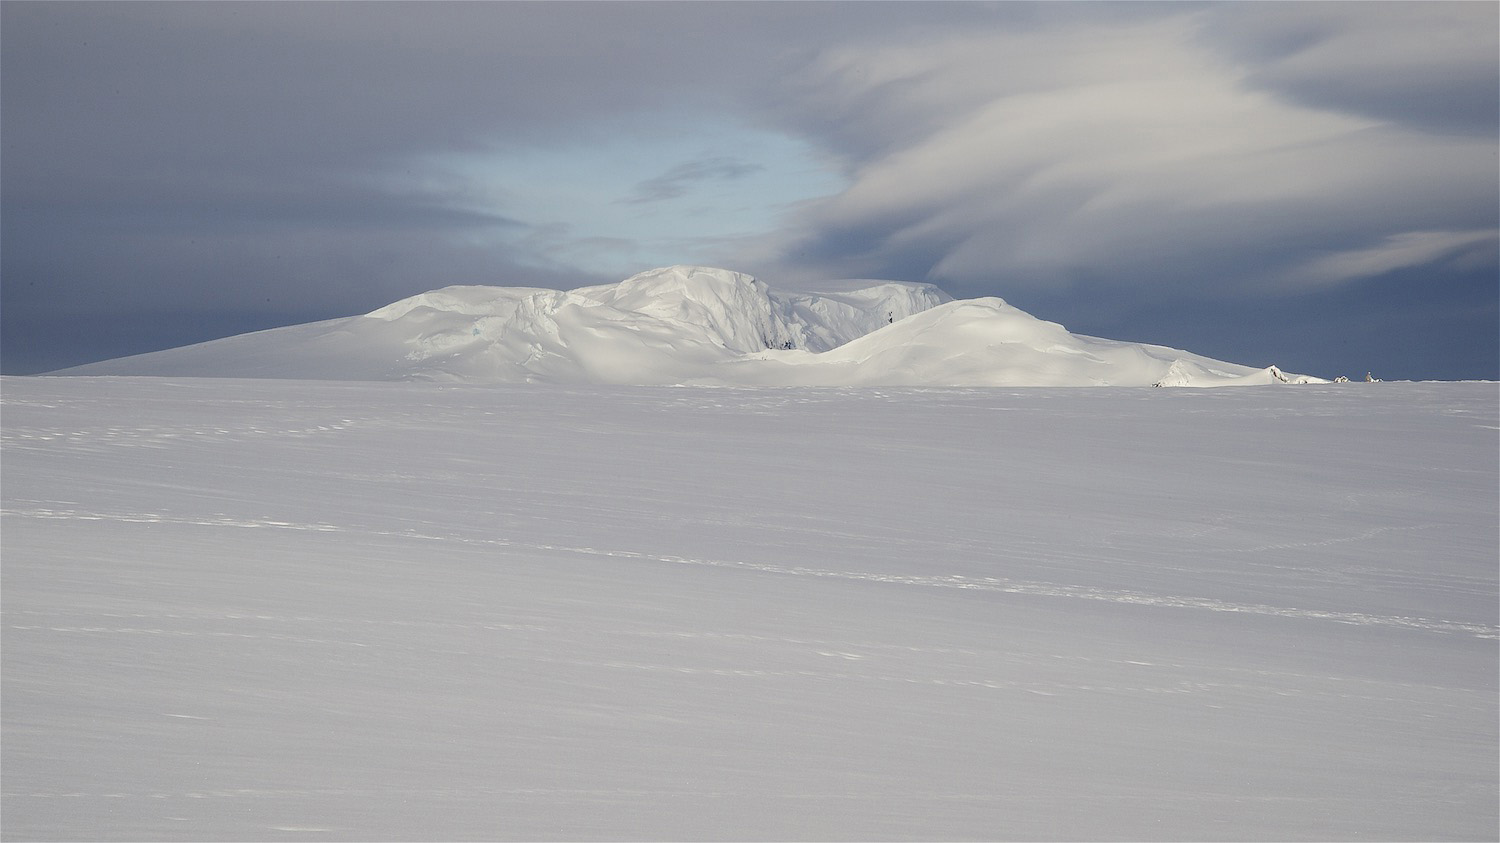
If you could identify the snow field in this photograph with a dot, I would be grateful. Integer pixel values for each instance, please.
(241, 609)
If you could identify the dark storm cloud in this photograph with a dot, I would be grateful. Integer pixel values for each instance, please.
(250, 164)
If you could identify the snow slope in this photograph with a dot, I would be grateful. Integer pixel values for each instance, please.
(986, 342)
(693, 325)
(289, 610)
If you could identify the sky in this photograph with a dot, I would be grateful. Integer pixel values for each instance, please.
(1310, 185)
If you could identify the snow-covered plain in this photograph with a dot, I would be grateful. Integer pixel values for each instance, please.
(255, 609)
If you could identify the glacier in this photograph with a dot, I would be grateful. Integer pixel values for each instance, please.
(693, 325)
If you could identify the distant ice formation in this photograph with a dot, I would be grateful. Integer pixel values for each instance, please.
(696, 325)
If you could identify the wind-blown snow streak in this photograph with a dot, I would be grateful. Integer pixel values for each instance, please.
(1002, 584)
(695, 325)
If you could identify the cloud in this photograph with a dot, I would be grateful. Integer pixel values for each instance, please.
(138, 132)
(1136, 151)
(1431, 66)
(678, 180)
(1399, 251)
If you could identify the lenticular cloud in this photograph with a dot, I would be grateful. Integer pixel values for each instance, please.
(696, 325)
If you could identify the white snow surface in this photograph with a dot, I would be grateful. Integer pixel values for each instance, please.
(695, 325)
(294, 610)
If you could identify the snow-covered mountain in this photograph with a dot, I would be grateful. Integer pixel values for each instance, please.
(694, 325)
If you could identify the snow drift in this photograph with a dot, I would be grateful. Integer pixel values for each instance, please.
(695, 325)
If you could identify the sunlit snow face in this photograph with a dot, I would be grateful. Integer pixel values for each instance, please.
(671, 189)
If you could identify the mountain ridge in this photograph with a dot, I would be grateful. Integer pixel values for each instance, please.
(695, 325)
